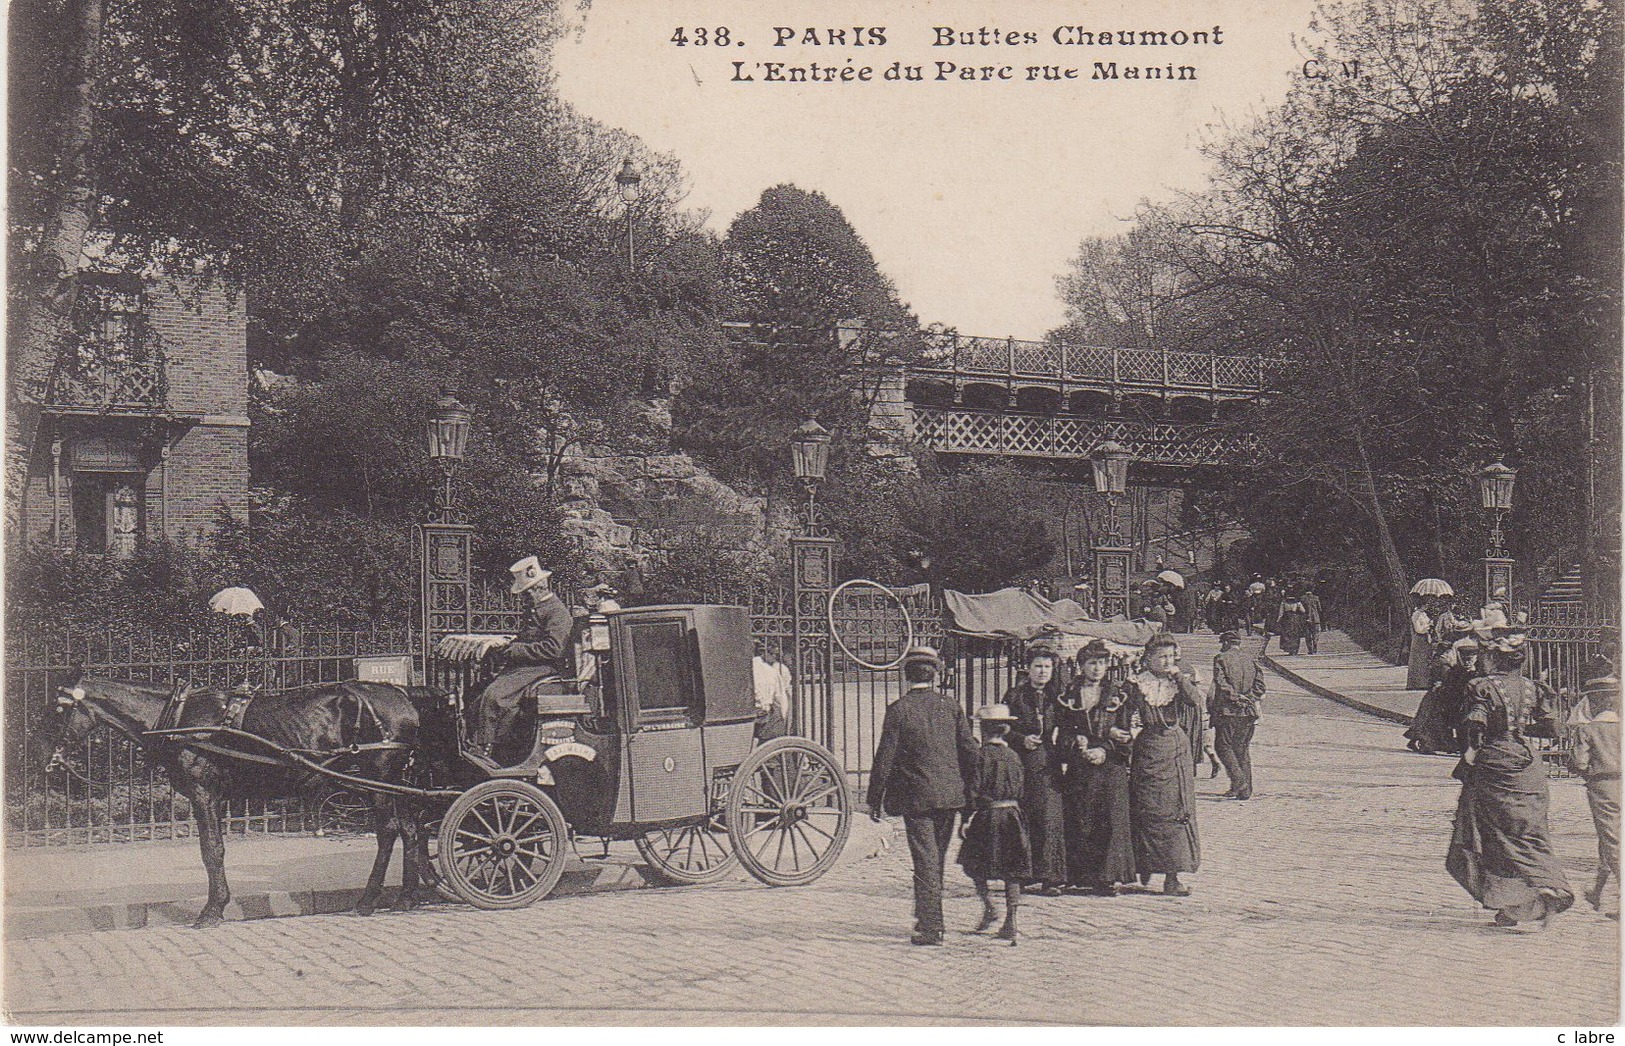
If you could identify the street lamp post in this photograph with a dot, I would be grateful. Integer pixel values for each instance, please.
(445, 576)
(1110, 462)
(630, 182)
(812, 578)
(809, 456)
(1495, 484)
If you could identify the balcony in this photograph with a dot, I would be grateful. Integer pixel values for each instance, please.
(112, 363)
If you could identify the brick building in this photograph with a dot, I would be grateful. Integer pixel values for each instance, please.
(145, 429)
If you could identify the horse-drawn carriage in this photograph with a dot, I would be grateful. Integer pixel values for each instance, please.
(651, 740)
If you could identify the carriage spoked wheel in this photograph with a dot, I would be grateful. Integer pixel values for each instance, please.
(690, 855)
(503, 844)
(789, 812)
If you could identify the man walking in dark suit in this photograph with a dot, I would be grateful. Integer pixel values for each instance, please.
(926, 755)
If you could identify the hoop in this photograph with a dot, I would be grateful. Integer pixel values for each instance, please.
(835, 634)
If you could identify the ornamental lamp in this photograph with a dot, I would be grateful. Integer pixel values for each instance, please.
(1495, 487)
(447, 429)
(629, 180)
(809, 451)
(1110, 462)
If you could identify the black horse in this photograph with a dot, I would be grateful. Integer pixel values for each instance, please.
(367, 730)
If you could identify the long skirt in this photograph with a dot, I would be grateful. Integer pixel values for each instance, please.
(996, 846)
(1099, 830)
(1434, 728)
(1419, 672)
(1500, 851)
(1046, 824)
(1603, 795)
(1162, 802)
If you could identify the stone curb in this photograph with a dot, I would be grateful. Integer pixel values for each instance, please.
(45, 922)
(1332, 695)
(583, 878)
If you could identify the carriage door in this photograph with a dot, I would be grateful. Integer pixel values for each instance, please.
(663, 750)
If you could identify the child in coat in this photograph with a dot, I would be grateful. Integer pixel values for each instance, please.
(996, 844)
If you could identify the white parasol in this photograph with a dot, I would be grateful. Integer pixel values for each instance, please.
(235, 600)
(1172, 577)
(1432, 586)
(1255, 588)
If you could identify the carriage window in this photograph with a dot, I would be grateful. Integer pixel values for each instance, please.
(663, 669)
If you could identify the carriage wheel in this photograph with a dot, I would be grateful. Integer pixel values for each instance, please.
(789, 812)
(688, 856)
(503, 844)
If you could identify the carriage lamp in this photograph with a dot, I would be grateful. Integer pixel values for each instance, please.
(1495, 492)
(447, 431)
(809, 457)
(630, 182)
(598, 634)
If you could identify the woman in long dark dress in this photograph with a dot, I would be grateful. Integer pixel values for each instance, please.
(1292, 622)
(1166, 723)
(1092, 736)
(1032, 702)
(1501, 850)
(1436, 727)
(996, 844)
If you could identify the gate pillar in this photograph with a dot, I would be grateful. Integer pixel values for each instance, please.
(812, 563)
(445, 583)
(1111, 580)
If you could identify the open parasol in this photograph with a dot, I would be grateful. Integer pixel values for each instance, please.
(235, 600)
(1172, 577)
(1255, 588)
(1432, 586)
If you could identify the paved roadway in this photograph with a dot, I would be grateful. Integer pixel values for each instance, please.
(1322, 901)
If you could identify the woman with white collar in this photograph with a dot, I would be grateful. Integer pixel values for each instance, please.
(1166, 723)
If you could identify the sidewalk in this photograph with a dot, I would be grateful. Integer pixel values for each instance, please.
(1346, 673)
(117, 886)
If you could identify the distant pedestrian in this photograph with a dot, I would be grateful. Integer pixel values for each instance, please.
(1501, 850)
(926, 753)
(996, 844)
(1032, 702)
(1291, 622)
(1092, 724)
(1213, 607)
(1418, 671)
(1233, 708)
(1166, 723)
(1596, 758)
(1317, 624)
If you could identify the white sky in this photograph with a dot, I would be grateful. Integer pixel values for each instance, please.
(972, 196)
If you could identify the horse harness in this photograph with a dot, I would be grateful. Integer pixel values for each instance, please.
(234, 707)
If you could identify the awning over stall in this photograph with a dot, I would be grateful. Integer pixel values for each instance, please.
(1014, 613)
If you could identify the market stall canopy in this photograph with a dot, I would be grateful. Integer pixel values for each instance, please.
(1013, 613)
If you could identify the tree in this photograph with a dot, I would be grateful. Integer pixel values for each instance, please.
(796, 271)
(1406, 240)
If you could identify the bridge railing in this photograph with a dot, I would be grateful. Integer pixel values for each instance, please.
(1026, 435)
(957, 354)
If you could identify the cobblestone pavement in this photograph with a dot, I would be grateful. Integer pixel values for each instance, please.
(1322, 901)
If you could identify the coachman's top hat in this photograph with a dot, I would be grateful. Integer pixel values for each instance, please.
(527, 574)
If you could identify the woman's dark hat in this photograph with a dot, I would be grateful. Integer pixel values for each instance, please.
(1094, 650)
